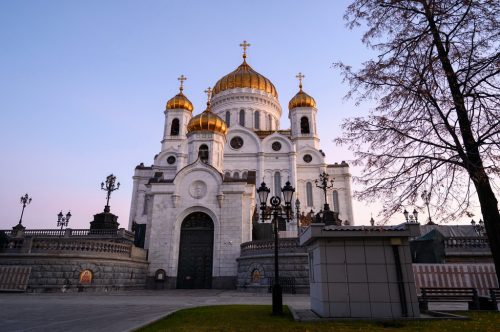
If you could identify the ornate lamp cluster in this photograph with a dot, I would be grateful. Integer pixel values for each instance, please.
(277, 211)
(412, 218)
(478, 227)
(324, 183)
(109, 187)
(25, 200)
(62, 220)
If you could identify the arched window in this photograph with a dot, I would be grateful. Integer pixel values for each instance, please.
(244, 175)
(335, 196)
(227, 175)
(228, 118)
(236, 175)
(269, 122)
(304, 125)
(174, 130)
(203, 153)
(309, 194)
(277, 184)
(256, 120)
(242, 118)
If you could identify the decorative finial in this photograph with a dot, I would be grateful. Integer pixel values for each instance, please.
(300, 76)
(181, 79)
(208, 91)
(245, 45)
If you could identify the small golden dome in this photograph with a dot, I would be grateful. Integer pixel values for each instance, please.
(179, 101)
(245, 77)
(301, 99)
(207, 121)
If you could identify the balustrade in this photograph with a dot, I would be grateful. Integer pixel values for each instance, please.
(466, 242)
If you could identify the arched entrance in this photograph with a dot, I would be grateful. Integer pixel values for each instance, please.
(196, 252)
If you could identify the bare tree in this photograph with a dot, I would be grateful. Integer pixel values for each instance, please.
(436, 123)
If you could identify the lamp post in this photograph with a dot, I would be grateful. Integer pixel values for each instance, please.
(25, 200)
(63, 221)
(263, 192)
(479, 227)
(109, 187)
(297, 214)
(426, 196)
(413, 218)
(324, 183)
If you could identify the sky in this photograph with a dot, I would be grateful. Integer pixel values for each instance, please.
(83, 87)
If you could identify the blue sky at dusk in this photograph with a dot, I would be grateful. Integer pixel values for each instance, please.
(83, 86)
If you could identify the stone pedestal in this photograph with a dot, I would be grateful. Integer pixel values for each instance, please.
(361, 271)
(104, 220)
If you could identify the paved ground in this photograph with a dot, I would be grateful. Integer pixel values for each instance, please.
(125, 311)
(115, 311)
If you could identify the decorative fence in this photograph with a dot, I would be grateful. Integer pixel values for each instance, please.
(287, 245)
(466, 242)
(72, 241)
(480, 276)
(68, 232)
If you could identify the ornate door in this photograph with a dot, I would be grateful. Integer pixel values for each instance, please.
(196, 252)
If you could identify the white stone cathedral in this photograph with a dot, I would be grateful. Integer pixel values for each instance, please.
(198, 198)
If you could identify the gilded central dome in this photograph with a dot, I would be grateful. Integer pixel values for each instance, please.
(245, 77)
(207, 121)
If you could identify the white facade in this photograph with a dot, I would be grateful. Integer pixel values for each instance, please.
(253, 150)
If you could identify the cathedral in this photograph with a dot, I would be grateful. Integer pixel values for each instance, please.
(195, 204)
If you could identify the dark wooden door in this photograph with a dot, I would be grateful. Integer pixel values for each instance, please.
(196, 252)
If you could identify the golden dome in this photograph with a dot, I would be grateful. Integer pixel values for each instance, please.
(301, 99)
(207, 121)
(179, 101)
(245, 77)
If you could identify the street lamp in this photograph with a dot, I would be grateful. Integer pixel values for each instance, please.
(479, 227)
(109, 187)
(426, 196)
(324, 183)
(276, 209)
(413, 218)
(25, 200)
(63, 221)
(297, 213)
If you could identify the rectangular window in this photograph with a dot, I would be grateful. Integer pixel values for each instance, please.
(146, 204)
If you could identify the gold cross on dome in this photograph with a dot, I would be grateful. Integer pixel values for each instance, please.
(181, 79)
(245, 45)
(300, 76)
(208, 91)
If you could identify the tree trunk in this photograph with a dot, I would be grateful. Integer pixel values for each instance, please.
(491, 215)
(470, 155)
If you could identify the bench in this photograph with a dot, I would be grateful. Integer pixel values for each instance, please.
(287, 285)
(448, 294)
(495, 298)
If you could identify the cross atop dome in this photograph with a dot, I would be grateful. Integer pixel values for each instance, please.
(300, 76)
(208, 91)
(181, 79)
(245, 45)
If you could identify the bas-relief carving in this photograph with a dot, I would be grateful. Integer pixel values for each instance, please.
(198, 189)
